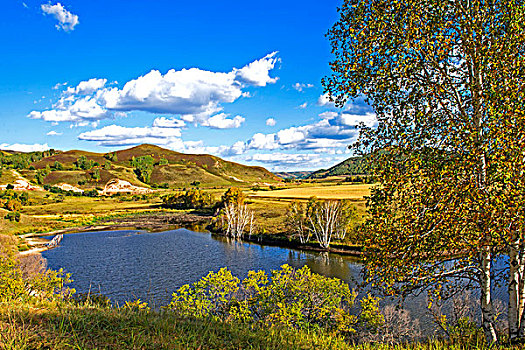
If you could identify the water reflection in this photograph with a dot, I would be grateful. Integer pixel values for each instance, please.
(130, 264)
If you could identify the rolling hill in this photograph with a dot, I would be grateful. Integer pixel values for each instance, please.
(172, 168)
(350, 166)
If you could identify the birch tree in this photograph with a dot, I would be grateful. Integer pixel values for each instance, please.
(322, 220)
(296, 221)
(238, 216)
(445, 79)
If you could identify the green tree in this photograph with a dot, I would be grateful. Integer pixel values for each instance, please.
(84, 163)
(445, 79)
(143, 167)
(96, 175)
(58, 166)
(233, 195)
(41, 175)
(111, 156)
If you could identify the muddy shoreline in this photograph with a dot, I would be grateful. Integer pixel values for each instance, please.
(156, 222)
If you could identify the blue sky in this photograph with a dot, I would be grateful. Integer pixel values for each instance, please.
(238, 79)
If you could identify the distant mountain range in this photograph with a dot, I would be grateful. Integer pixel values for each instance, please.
(293, 174)
(167, 168)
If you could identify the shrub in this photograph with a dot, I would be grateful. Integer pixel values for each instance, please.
(143, 167)
(58, 166)
(95, 175)
(233, 195)
(13, 216)
(292, 298)
(83, 163)
(23, 280)
(111, 156)
(189, 199)
(91, 193)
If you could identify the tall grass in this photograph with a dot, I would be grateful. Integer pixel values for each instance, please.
(70, 325)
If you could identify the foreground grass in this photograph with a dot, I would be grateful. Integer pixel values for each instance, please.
(68, 326)
(65, 325)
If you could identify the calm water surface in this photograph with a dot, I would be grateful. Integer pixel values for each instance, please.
(125, 265)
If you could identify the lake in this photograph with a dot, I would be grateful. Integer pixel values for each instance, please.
(129, 264)
(126, 265)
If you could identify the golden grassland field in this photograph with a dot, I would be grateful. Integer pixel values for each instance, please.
(49, 211)
(327, 191)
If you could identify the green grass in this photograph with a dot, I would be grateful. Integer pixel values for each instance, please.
(67, 325)
(8, 177)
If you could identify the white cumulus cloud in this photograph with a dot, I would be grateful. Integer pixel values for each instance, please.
(53, 133)
(71, 110)
(301, 86)
(263, 141)
(257, 72)
(87, 87)
(66, 20)
(368, 119)
(334, 131)
(163, 122)
(270, 122)
(193, 94)
(221, 121)
(324, 100)
(19, 147)
(116, 135)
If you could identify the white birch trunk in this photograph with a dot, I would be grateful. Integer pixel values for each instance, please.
(487, 310)
(521, 293)
(514, 291)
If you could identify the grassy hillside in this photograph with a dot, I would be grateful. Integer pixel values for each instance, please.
(172, 168)
(350, 166)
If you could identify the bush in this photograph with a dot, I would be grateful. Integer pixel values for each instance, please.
(292, 298)
(162, 185)
(13, 205)
(233, 195)
(13, 216)
(13, 201)
(91, 193)
(143, 167)
(58, 166)
(83, 163)
(28, 279)
(189, 199)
